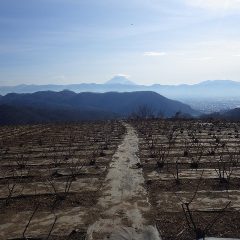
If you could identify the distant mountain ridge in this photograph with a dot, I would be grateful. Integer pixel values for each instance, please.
(206, 89)
(70, 106)
(214, 82)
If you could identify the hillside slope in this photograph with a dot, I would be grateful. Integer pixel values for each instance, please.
(67, 105)
(232, 115)
(11, 115)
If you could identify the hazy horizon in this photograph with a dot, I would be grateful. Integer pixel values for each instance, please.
(105, 82)
(154, 42)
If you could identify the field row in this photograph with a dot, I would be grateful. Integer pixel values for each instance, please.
(51, 176)
(192, 174)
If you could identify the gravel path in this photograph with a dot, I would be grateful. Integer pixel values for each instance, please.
(125, 212)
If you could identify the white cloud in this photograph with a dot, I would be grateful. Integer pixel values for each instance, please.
(215, 5)
(154, 54)
(122, 75)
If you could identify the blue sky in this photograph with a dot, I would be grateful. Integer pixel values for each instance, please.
(151, 41)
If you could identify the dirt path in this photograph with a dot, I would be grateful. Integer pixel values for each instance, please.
(124, 203)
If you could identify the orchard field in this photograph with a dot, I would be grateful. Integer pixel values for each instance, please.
(165, 179)
(51, 177)
(191, 170)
